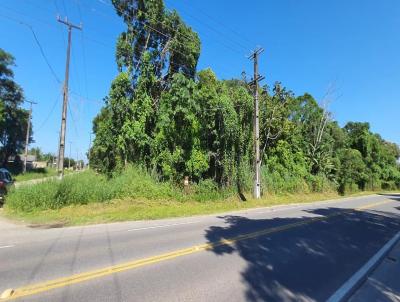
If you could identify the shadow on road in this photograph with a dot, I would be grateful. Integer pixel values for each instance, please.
(306, 262)
(392, 196)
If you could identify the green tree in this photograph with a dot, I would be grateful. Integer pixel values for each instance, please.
(352, 171)
(13, 118)
(173, 47)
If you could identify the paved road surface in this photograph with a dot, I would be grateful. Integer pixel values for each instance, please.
(292, 253)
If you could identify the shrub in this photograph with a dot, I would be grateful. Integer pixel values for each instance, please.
(275, 183)
(347, 188)
(320, 183)
(136, 182)
(389, 185)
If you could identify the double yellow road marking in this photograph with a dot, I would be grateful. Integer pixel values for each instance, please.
(77, 278)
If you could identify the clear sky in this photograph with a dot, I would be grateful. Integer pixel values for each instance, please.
(310, 45)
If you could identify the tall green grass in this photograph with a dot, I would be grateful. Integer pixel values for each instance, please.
(87, 187)
(135, 183)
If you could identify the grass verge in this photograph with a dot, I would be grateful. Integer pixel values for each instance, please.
(146, 209)
(87, 198)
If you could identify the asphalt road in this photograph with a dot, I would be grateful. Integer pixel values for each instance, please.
(290, 253)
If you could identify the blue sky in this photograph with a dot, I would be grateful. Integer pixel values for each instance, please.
(310, 45)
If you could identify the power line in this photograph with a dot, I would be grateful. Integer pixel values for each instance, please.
(85, 99)
(73, 120)
(89, 39)
(200, 21)
(50, 24)
(152, 29)
(83, 51)
(49, 114)
(38, 44)
(198, 10)
(211, 28)
(22, 14)
(144, 24)
(65, 8)
(99, 42)
(43, 54)
(108, 45)
(160, 32)
(56, 6)
(74, 67)
(47, 63)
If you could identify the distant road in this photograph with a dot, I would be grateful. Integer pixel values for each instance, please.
(287, 253)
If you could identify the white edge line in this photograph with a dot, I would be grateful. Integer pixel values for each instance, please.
(352, 283)
(6, 246)
(161, 226)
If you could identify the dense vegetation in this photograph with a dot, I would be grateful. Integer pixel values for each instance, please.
(163, 115)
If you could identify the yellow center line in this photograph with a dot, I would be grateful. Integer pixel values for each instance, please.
(77, 278)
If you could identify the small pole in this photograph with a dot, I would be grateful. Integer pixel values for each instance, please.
(28, 128)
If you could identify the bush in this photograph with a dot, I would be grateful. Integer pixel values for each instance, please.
(320, 183)
(389, 185)
(275, 183)
(135, 182)
(374, 185)
(348, 188)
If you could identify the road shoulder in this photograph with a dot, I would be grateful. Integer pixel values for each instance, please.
(383, 284)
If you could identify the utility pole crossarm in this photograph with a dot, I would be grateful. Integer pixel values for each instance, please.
(69, 24)
(259, 78)
(256, 125)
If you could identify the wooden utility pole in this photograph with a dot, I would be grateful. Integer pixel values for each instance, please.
(61, 149)
(256, 126)
(28, 129)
